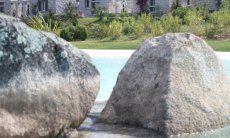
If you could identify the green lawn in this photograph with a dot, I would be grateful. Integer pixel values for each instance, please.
(217, 45)
(126, 43)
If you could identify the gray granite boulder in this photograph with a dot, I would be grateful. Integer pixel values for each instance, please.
(172, 84)
(45, 83)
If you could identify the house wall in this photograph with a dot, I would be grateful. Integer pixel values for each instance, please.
(211, 4)
(163, 5)
(7, 6)
(61, 5)
(17, 8)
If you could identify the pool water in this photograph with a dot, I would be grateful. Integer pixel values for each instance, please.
(109, 69)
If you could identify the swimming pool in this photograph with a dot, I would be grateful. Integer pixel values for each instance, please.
(109, 69)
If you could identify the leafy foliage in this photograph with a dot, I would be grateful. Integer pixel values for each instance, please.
(100, 12)
(74, 33)
(115, 29)
(38, 22)
(98, 31)
(171, 23)
(180, 12)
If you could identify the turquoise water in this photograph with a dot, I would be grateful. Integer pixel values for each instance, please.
(109, 69)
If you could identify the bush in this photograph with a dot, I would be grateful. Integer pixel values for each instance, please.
(146, 20)
(124, 14)
(115, 29)
(71, 15)
(74, 33)
(180, 12)
(127, 28)
(225, 4)
(176, 4)
(80, 33)
(100, 12)
(220, 23)
(38, 22)
(139, 29)
(157, 28)
(195, 22)
(66, 34)
(171, 24)
(98, 31)
(202, 11)
(111, 17)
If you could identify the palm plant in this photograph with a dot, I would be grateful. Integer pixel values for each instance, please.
(39, 23)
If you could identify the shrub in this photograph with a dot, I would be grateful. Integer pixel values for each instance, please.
(127, 28)
(157, 28)
(180, 12)
(138, 29)
(225, 4)
(146, 20)
(100, 12)
(98, 31)
(176, 4)
(80, 33)
(74, 33)
(115, 29)
(202, 11)
(124, 14)
(38, 22)
(220, 23)
(71, 15)
(66, 34)
(171, 24)
(195, 22)
(111, 17)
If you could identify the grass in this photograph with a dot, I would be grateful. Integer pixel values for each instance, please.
(217, 45)
(127, 43)
(124, 43)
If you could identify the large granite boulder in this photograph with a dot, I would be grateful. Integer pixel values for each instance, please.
(172, 84)
(45, 83)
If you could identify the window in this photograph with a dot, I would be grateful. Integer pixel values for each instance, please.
(87, 4)
(152, 5)
(188, 2)
(40, 5)
(94, 3)
(28, 10)
(1, 6)
(46, 5)
(43, 5)
(152, 2)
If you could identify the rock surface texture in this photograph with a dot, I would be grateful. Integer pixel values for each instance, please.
(45, 83)
(172, 84)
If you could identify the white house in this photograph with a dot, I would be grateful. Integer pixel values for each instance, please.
(24, 8)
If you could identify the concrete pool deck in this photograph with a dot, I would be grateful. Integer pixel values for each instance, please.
(128, 53)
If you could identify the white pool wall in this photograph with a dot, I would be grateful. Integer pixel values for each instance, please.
(128, 53)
